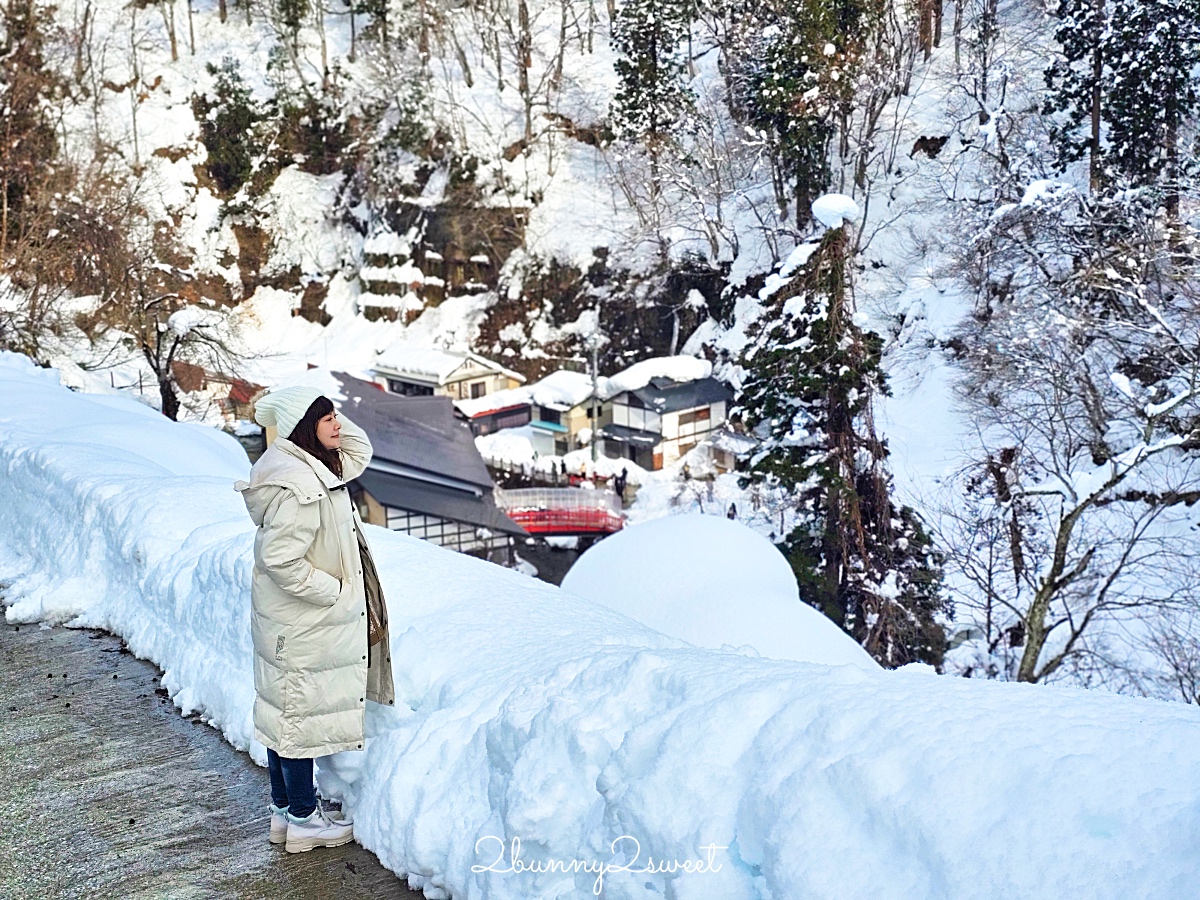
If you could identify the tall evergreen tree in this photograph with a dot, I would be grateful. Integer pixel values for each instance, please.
(228, 124)
(1154, 49)
(651, 97)
(1074, 82)
(1129, 65)
(811, 377)
(791, 73)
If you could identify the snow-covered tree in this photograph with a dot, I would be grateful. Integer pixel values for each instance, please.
(1153, 49)
(1084, 383)
(791, 73)
(1074, 82)
(811, 375)
(651, 97)
(228, 122)
(1127, 69)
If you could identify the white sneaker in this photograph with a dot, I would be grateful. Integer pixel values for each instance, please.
(317, 830)
(279, 824)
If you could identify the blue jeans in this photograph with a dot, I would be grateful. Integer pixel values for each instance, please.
(292, 785)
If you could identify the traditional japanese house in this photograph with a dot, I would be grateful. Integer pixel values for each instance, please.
(657, 424)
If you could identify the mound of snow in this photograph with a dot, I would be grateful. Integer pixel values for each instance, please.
(713, 583)
(832, 209)
(526, 713)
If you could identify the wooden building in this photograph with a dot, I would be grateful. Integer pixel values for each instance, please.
(657, 424)
(416, 370)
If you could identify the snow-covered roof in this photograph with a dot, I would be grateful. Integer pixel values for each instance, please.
(387, 243)
(430, 363)
(664, 395)
(563, 389)
(558, 390)
(677, 368)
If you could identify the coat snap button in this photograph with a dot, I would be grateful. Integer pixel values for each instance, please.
(364, 657)
(362, 614)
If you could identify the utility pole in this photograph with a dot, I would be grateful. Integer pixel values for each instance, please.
(593, 412)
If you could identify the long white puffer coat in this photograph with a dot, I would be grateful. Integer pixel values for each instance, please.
(312, 675)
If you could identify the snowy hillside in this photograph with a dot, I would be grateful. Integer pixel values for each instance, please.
(943, 252)
(526, 713)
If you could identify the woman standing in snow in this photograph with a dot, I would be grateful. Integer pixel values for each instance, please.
(318, 619)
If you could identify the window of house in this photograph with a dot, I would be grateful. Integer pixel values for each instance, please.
(551, 416)
(409, 388)
(513, 419)
(478, 389)
(695, 415)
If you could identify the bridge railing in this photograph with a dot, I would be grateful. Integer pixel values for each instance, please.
(556, 498)
(562, 510)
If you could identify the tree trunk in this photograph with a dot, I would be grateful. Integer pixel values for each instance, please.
(925, 27)
(958, 18)
(1171, 146)
(170, 400)
(1097, 75)
(461, 56)
(319, 13)
(3, 221)
(1054, 581)
(423, 32)
(524, 64)
(168, 9)
(556, 80)
(223, 10)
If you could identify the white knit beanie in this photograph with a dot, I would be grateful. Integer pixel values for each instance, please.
(284, 408)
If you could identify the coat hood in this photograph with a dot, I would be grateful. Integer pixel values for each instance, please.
(284, 466)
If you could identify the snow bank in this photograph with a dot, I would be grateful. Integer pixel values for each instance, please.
(713, 583)
(524, 712)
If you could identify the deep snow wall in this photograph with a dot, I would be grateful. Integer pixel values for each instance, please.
(525, 712)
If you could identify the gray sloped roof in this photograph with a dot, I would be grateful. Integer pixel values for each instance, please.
(421, 433)
(400, 492)
(627, 435)
(663, 395)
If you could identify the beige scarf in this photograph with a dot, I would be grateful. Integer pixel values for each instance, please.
(376, 608)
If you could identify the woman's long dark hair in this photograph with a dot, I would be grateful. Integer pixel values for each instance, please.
(304, 435)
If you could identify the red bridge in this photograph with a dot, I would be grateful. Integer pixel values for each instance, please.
(562, 511)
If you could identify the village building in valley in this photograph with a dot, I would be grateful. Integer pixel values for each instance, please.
(657, 424)
(415, 370)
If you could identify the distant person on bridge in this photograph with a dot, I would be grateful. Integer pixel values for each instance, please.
(619, 482)
(318, 619)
